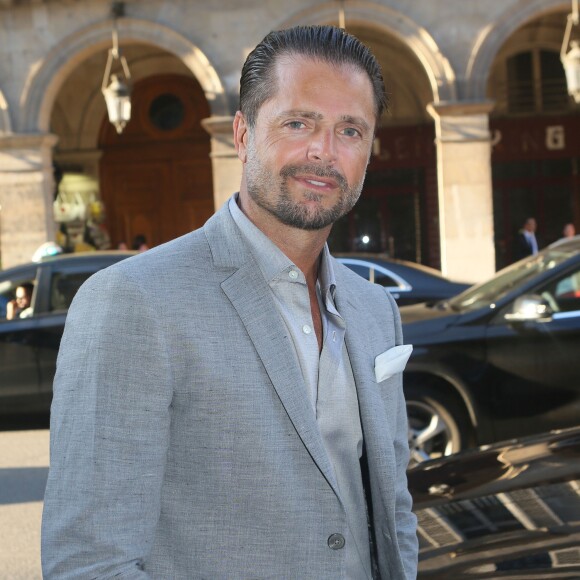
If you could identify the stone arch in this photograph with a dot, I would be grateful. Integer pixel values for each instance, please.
(43, 84)
(493, 37)
(437, 67)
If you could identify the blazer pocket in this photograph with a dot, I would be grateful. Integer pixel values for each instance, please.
(392, 361)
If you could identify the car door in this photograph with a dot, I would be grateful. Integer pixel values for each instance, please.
(60, 283)
(19, 379)
(536, 382)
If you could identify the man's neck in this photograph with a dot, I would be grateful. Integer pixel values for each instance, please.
(303, 247)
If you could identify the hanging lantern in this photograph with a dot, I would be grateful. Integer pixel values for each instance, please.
(117, 90)
(571, 59)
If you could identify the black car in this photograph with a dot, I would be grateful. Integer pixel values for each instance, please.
(511, 510)
(408, 283)
(29, 344)
(498, 361)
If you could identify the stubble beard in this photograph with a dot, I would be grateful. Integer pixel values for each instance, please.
(260, 181)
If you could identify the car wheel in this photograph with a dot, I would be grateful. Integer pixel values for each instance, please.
(436, 424)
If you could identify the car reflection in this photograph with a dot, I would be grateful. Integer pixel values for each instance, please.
(508, 510)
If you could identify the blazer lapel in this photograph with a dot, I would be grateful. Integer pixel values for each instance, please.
(373, 411)
(251, 297)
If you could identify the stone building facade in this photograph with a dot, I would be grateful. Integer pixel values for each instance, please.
(480, 135)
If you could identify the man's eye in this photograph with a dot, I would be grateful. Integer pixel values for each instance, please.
(295, 124)
(351, 132)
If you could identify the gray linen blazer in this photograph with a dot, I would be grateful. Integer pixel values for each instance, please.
(183, 445)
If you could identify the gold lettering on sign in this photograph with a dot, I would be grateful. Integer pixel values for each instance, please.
(555, 137)
(529, 142)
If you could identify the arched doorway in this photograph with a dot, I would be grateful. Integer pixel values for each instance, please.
(535, 127)
(156, 177)
(397, 211)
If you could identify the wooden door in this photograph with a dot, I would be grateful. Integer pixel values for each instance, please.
(156, 177)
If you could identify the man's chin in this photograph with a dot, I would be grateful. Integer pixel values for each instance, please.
(309, 222)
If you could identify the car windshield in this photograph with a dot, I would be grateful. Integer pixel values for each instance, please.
(488, 293)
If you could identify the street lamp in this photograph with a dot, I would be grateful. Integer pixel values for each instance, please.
(571, 59)
(117, 90)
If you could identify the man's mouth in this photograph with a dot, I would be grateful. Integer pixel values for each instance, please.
(317, 182)
(316, 177)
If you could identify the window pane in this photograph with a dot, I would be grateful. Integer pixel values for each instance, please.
(360, 270)
(564, 295)
(553, 85)
(64, 287)
(12, 308)
(384, 280)
(521, 83)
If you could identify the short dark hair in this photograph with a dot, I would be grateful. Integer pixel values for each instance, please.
(325, 43)
(28, 287)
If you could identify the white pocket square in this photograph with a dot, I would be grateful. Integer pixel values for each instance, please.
(392, 361)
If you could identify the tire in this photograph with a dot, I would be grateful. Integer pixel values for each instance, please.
(438, 425)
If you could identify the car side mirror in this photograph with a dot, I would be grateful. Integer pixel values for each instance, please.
(530, 308)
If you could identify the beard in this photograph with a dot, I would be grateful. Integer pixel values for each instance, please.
(261, 183)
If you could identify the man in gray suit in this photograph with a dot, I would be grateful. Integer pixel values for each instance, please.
(229, 405)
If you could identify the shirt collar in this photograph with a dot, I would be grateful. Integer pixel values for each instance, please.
(271, 260)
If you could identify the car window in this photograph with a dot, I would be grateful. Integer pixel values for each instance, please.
(379, 277)
(372, 275)
(563, 295)
(489, 292)
(360, 270)
(17, 298)
(63, 287)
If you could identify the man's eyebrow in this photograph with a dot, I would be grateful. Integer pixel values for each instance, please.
(356, 121)
(318, 116)
(299, 113)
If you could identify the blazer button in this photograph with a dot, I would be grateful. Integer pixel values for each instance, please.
(336, 541)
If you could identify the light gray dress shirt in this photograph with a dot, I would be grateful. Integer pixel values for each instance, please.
(531, 237)
(327, 374)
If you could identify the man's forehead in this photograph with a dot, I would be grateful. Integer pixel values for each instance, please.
(295, 69)
(286, 59)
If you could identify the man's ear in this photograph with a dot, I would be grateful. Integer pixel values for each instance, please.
(240, 135)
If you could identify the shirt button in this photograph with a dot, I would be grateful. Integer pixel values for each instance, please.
(336, 542)
(293, 274)
(306, 329)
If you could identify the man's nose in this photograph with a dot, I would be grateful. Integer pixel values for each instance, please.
(322, 148)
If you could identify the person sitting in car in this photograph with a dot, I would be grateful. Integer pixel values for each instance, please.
(20, 306)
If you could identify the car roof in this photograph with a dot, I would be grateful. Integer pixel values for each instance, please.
(411, 270)
(387, 260)
(95, 254)
(69, 258)
(572, 244)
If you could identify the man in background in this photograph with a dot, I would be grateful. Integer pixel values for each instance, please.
(526, 242)
(568, 231)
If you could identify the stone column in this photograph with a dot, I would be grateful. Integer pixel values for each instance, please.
(26, 195)
(465, 189)
(227, 168)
